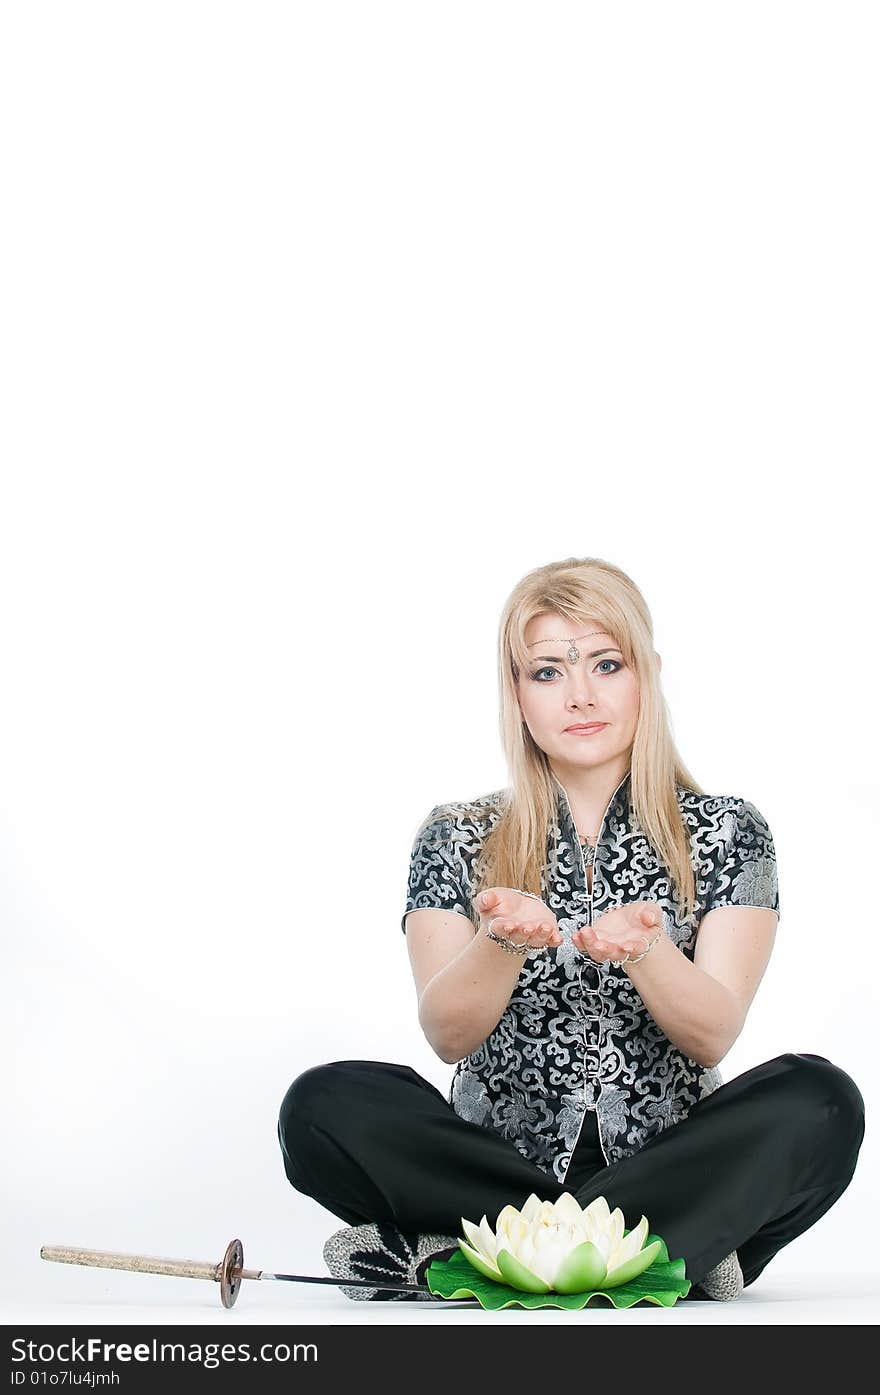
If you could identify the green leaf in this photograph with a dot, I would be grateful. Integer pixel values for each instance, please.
(663, 1283)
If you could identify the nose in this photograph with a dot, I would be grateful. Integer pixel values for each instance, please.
(580, 689)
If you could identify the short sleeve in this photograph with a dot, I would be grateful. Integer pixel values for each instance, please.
(747, 876)
(435, 878)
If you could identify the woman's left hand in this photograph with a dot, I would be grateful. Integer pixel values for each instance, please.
(622, 930)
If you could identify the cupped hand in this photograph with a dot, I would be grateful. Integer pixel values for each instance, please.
(622, 930)
(520, 919)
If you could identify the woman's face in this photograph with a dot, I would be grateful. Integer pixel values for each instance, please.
(555, 694)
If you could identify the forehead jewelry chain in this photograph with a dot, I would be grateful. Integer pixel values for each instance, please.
(573, 652)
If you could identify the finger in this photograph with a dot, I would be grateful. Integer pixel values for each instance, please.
(599, 954)
(508, 927)
(541, 933)
(546, 934)
(499, 926)
(519, 934)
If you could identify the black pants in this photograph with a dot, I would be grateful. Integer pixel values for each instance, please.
(753, 1165)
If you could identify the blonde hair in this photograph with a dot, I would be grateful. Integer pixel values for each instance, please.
(582, 589)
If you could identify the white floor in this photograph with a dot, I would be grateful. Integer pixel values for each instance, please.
(123, 1299)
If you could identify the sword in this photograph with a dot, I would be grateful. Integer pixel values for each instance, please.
(228, 1272)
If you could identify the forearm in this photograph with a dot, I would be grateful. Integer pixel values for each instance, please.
(465, 1001)
(697, 1013)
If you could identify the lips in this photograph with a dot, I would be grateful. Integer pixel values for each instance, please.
(587, 726)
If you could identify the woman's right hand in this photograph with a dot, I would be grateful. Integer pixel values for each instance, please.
(520, 919)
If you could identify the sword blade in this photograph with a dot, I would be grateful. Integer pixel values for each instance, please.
(344, 1283)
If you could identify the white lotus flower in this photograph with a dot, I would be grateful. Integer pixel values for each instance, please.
(560, 1246)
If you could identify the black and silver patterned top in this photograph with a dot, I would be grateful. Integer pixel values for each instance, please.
(576, 1035)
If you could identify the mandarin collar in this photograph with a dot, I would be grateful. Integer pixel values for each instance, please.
(616, 803)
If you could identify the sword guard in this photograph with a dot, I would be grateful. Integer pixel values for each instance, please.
(231, 1267)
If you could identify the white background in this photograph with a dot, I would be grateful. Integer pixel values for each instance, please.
(323, 323)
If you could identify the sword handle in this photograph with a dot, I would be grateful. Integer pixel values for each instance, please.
(228, 1273)
(139, 1264)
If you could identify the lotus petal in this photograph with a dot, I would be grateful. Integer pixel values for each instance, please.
(569, 1209)
(597, 1213)
(637, 1264)
(507, 1216)
(518, 1276)
(616, 1226)
(630, 1245)
(476, 1236)
(525, 1251)
(488, 1235)
(582, 1269)
(601, 1239)
(480, 1263)
(550, 1248)
(517, 1229)
(529, 1209)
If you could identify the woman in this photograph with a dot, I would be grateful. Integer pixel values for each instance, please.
(585, 945)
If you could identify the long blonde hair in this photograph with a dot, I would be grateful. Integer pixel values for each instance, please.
(584, 589)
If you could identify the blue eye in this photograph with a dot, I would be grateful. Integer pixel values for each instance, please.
(549, 669)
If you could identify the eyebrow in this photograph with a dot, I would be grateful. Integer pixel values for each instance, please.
(557, 658)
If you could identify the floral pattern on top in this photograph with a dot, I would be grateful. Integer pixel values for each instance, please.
(576, 1036)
